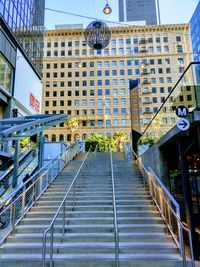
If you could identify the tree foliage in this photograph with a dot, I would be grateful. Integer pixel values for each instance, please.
(72, 124)
(105, 144)
(119, 138)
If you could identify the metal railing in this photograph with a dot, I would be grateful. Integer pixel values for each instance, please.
(115, 215)
(61, 210)
(22, 199)
(168, 208)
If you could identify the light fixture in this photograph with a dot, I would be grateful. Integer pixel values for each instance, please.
(107, 9)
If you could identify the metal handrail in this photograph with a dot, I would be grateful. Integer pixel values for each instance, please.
(161, 188)
(115, 215)
(51, 226)
(39, 172)
(16, 210)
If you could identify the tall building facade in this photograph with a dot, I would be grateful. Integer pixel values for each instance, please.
(21, 51)
(195, 29)
(138, 10)
(94, 85)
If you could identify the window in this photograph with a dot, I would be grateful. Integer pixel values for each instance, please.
(178, 38)
(91, 64)
(123, 111)
(129, 72)
(69, 65)
(162, 90)
(158, 48)
(114, 73)
(155, 100)
(69, 93)
(99, 73)
(115, 92)
(76, 83)
(107, 82)
(166, 48)
(136, 50)
(114, 63)
(155, 109)
(91, 92)
(165, 39)
(84, 92)
(137, 71)
(116, 122)
(115, 101)
(122, 82)
(151, 62)
(84, 74)
(91, 82)
(84, 102)
(100, 123)
(113, 42)
(113, 51)
(161, 80)
(123, 122)
(107, 72)
(84, 83)
(168, 70)
(115, 111)
(92, 123)
(128, 41)
(122, 91)
(99, 92)
(100, 111)
(100, 102)
(189, 98)
(69, 53)
(120, 41)
(107, 111)
(169, 79)
(54, 93)
(157, 39)
(92, 102)
(106, 64)
(135, 40)
(47, 94)
(123, 101)
(77, 103)
(114, 82)
(107, 92)
(99, 82)
(162, 99)
(107, 102)
(159, 61)
(160, 71)
(108, 123)
(179, 49)
(152, 71)
(181, 69)
(129, 63)
(121, 51)
(76, 93)
(121, 63)
(180, 61)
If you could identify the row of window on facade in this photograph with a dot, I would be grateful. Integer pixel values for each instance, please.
(84, 102)
(107, 73)
(119, 41)
(99, 92)
(114, 51)
(106, 82)
(113, 63)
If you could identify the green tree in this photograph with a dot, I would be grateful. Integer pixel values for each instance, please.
(119, 138)
(105, 144)
(72, 124)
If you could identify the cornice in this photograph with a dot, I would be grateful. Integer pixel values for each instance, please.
(121, 30)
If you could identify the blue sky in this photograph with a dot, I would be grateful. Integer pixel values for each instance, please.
(172, 11)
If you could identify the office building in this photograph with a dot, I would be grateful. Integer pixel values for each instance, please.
(21, 51)
(195, 29)
(138, 10)
(94, 85)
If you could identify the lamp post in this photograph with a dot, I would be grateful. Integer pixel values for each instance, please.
(107, 9)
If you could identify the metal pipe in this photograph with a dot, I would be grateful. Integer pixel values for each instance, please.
(115, 215)
(51, 247)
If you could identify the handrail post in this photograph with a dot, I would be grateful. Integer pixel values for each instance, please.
(51, 246)
(44, 250)
(63, 230)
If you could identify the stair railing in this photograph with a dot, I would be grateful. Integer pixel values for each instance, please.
(24, 197)
(115, 215)
(168, 208)
(61, 211)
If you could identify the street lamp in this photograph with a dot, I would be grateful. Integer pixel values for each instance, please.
(107, 9)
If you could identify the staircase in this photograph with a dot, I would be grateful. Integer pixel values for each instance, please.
(89, 239)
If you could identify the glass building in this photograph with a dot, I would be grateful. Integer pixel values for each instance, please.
(195, 30)
(26, 20)
(138, 10)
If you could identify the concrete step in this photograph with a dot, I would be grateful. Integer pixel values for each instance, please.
(67, 237)
(77, 208)
(93, 228)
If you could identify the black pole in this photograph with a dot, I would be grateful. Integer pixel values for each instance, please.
(188, 198)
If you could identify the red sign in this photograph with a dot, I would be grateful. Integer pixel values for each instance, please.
(35, 104)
